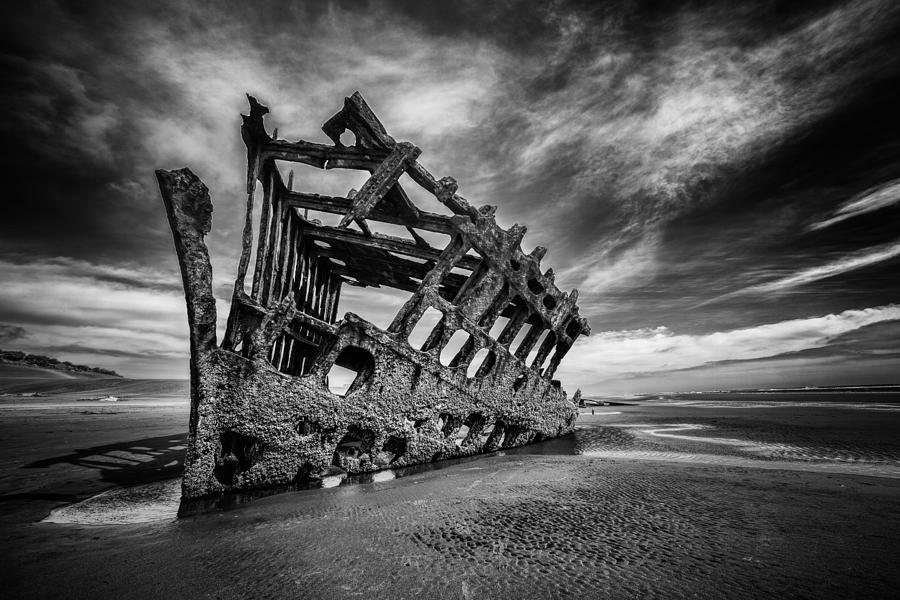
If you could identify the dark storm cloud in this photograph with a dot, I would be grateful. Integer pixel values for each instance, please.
(753, 230)
(654, 136)
(667, 154)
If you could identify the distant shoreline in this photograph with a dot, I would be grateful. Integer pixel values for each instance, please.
(835, 388)
(612, 399)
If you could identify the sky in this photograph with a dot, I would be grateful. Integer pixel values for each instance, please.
(721, 183)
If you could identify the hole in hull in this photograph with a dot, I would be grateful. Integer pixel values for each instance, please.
(238, 453)
(535, 286)
(396, 446)
(307, 427)
(426, 323)
(449, 424)
(518, 383)
(454, 345)
(480, 357)
(354, 447)
(351, 370)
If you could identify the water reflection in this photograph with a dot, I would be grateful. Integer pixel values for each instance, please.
(161, 500)
(229, 500)
(383, 476)
(332, 481)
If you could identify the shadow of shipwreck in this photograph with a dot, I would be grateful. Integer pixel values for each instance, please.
(128, 463)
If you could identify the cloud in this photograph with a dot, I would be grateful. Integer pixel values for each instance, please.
(112, 316)
(615, 354)
(614, 267)
(94, 312)
(852, 262)
(11, 333)
(778, 372)
(55, 112)
(63, 267)
(600, 127)
(873, 199)
(642, 138)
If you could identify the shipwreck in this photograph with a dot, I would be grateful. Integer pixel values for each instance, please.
(262, 413)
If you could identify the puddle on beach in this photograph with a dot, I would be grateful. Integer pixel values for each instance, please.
(161, 500)
(698, 444)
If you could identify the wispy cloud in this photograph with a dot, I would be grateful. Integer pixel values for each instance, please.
(857, 260)
(614, 354)
(615, 267)
(868, 201)
(646, 141)
(63, 120)
(84, 310)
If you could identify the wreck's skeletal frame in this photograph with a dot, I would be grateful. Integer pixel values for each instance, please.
(262, 413)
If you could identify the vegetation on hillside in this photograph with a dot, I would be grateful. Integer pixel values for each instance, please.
(15, 357)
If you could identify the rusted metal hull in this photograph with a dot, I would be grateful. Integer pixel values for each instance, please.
(262, 413)
(278, 428)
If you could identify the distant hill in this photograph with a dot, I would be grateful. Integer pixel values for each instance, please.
(22, 359)
(39, 382)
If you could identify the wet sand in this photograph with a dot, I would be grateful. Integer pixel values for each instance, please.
(738, 498)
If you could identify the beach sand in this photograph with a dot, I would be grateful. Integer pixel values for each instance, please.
(677, 498)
